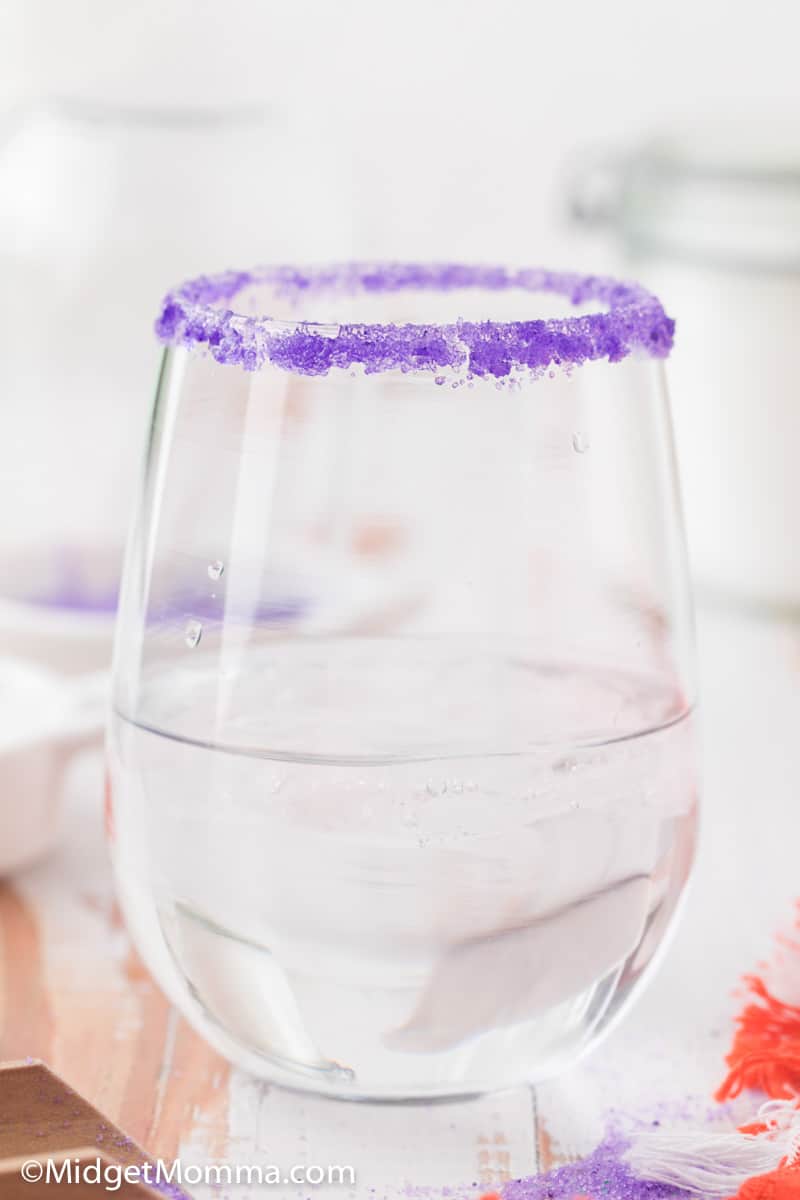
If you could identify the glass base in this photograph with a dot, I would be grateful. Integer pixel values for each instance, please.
(197, 966)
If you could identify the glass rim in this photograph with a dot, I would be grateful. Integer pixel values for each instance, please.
(196, 314)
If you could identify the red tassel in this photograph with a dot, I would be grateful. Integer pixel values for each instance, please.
(765, 1054)
(783, 1184)
(765, 1057)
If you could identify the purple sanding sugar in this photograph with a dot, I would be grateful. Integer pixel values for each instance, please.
(197, 313)
(603, 1173)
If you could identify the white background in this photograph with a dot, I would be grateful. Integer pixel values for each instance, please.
(448, 123)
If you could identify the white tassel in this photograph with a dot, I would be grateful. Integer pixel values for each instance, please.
(716, 1165)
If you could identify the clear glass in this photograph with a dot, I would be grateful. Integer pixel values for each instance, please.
(402, 788)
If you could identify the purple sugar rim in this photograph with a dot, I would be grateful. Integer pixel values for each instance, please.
(196, 313)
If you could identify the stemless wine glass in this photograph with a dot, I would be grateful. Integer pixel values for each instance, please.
(402, 793)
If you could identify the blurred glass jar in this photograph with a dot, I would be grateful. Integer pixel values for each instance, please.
(101, 209)
(711, 221)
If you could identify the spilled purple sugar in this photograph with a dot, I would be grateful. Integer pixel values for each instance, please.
(197, 314)
(602, 1175)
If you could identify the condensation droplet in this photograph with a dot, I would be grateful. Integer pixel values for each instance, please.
(580, 443)
(341, 1074)
(192, 633)
(215, 569)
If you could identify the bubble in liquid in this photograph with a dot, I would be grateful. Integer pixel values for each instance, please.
(192, 633)
(580, 443)
(215, 569)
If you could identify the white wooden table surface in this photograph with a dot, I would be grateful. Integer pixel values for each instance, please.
(73, 993)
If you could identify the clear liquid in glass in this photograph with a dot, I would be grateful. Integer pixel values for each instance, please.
(433, 896)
